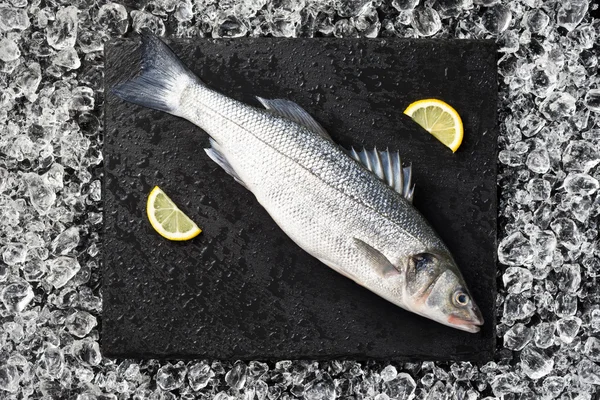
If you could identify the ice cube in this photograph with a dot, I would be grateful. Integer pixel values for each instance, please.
(14, 331)
(542, 217)
(463, 371)
(402, 387)
(515, 250)
(13, 19)
(67, 58)
(404, 5)
(508, 42)
(567, 328)
(538, 188)
(142, 19)
(80, 323)
(510, 158)
(17, 295)
(345, 8)
(580, 184)
(199, 375)
(344, 29)
(553, 386)
(26, 79)
(536, 20)
(41, 195)
(542, 83)
(426, 21)
(184, 11)
(170, 377)
(321, 388)
(229, 26)
(62, 269)
(51, 364)
(34, 270)
(236, 377)
(517, 307)
(388, 373)
(535, 363)
(367, 22)
(592, 100)
(517, 279)
(517, 337)
(497, 19)
(595, 320)
(592, 348)
(62, 33)
(9, 51)
(569, 279)
(261, 390)
(565, 304)
(88, 351)
(584, 37)
(54, 176)
(257, 369)
(132, 372)
(588, 372)
(9, 378)
(14, 253)
(66, 241)
(558, 105)
(581, 156)
(571, 13)
(84, 375)
(567, 233)
(506, 383)
(112, 17)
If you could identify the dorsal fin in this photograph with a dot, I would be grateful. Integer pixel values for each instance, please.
(292, 111)
(387, 167)
(217, 156)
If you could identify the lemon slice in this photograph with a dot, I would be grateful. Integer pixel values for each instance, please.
(439, 119)
(168, 220)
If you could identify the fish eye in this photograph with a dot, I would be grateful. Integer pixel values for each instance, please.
(423, 260)
(461, 298)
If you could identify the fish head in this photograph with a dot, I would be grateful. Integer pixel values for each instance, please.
(437, 290)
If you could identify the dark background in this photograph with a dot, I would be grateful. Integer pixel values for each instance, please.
(242, 289)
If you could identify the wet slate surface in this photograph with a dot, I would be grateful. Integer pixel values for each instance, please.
(242, 289)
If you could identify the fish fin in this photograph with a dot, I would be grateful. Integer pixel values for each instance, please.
(387, 166)
(217, 156)
(377, 260)
(292, 111)
(160, 80)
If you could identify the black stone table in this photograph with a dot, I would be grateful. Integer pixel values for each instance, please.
(242, 289)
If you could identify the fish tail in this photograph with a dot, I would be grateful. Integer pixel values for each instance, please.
(161, 79)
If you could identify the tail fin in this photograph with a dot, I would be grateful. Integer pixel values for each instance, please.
(161, 80)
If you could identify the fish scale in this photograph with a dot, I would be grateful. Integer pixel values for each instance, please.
(328, 203)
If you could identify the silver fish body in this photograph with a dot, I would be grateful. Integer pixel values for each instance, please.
(323, 199)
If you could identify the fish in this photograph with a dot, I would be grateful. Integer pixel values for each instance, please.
(350, 209)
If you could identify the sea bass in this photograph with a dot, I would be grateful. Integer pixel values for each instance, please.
(351, 210)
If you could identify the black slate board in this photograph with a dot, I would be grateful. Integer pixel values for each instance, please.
(242, 289)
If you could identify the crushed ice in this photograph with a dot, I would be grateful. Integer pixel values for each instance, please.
(548, 327)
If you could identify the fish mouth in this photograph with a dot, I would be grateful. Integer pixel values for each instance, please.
(468, 325)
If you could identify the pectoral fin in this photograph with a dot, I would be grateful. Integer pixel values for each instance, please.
(377, 260)
(215, 154)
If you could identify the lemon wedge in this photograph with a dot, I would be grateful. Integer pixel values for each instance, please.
(439, 119)
(167, 219)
